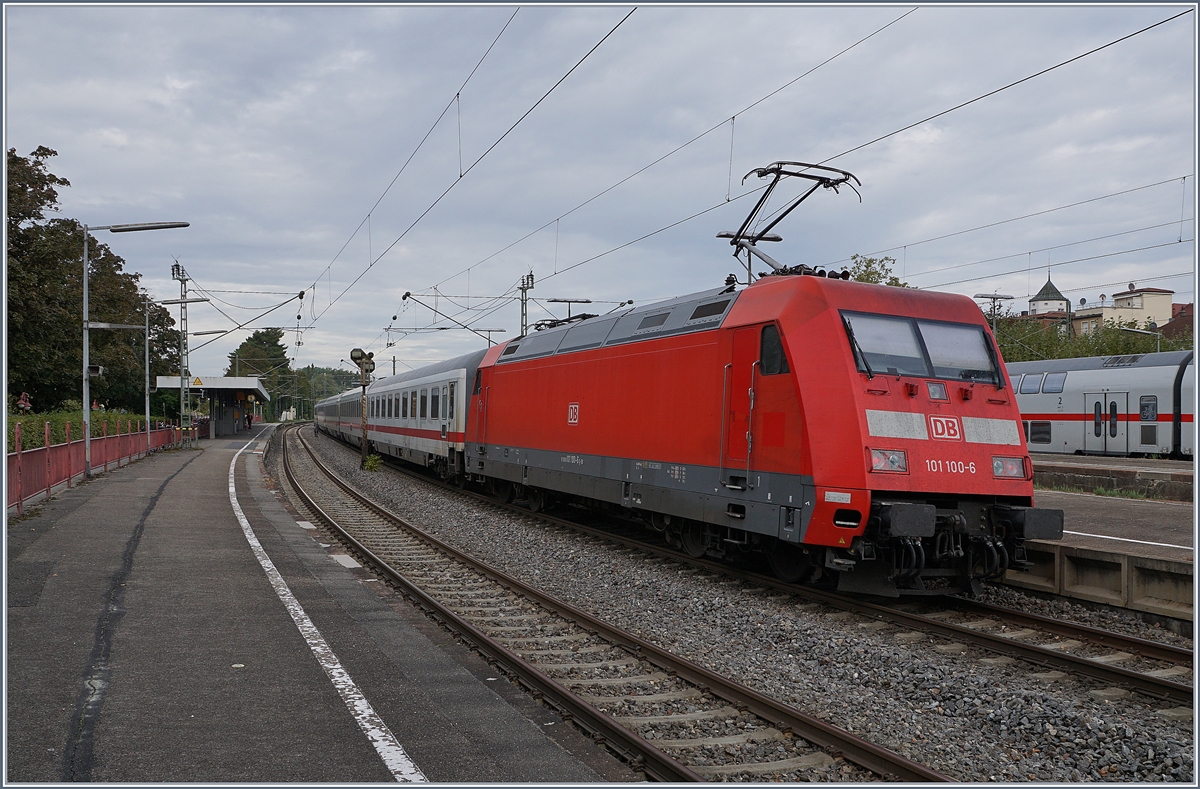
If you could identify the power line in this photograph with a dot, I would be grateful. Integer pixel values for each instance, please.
(676, 150)
(1062, 263)
(1016, 218)
(477, 161)
(878, 139)
(1006, 87)
(1048, 249)
(366, 219)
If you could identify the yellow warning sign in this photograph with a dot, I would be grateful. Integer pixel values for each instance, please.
(197, 382)
(841, 541)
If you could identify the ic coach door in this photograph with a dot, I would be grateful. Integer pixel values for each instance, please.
(1105, 422)
(739, 405)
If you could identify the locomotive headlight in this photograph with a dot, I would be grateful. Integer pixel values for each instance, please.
(889, 460)
(1008, 467)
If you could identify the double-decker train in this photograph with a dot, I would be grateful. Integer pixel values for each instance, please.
(861, 434)
(1130, 404)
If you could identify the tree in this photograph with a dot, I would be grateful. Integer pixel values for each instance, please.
(1023, 340)
(877, 271)
(45, 302)
(264, 356)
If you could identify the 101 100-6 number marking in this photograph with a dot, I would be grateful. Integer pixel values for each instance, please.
(950, 466)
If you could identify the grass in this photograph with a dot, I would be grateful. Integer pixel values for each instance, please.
(1118, 494)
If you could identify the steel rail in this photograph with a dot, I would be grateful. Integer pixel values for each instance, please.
(820, 733)
(1156, 687)
(637, 751)
(1144, 647)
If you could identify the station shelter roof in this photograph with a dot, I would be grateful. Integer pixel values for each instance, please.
(247, 384)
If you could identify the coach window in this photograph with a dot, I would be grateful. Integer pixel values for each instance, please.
(451, 401)
(771, 352)
(1026, 426)
(412, 408)
(1149, 408)
(1039, 432)
(1098, 419)
(424, 403)
(433, 404)
(444, 399)
(1054, 383)
(1031, 384)
(404, 405)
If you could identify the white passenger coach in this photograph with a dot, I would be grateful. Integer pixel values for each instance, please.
(1138, 404)
(418, 416)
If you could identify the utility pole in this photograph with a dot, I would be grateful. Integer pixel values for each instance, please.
(525, 286)
(185, 391)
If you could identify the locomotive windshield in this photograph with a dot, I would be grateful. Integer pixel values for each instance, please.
(885, 344)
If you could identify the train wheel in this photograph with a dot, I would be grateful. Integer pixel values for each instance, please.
(789, 563)
(693, 539)
(502, 491)
(536, 500)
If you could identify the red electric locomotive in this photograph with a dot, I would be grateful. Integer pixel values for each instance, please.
(847, 431)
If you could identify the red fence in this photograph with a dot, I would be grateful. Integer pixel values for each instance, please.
(36, 472)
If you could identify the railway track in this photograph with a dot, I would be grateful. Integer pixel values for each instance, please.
(1056, 646)
(669, 718)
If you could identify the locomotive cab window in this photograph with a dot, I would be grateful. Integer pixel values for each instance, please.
(771, 352)
(892, 345)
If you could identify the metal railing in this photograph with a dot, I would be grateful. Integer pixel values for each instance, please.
(38, 471)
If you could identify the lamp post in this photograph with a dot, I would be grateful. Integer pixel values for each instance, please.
(366, 366)
(995, 298)
(87, 368)
(1157, 334)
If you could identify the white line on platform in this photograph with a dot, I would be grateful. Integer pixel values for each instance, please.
(1126, 539)
(386, 745)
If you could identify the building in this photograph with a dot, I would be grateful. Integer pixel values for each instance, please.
(1047, 300)
(1139, 305)
(229, 399)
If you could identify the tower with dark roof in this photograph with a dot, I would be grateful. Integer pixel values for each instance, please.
(1048, 299)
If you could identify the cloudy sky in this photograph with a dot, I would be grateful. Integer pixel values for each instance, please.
(304, 145)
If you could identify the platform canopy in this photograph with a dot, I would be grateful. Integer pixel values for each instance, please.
(246, 385)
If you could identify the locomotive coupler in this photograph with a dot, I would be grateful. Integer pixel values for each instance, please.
(1029, 523)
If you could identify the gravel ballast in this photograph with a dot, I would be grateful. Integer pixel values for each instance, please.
(956, 710)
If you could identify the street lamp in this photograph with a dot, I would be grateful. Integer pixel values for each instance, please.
(1157, 334)
(995, 298)
(366, 366)
(87, 369)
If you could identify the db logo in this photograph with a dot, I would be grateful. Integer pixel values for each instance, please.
(945, 428)
(573, 413)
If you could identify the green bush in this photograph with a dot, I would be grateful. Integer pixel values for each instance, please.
(373, 463)
(33, 427)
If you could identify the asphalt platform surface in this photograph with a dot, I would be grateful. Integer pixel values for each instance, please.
(146, 644)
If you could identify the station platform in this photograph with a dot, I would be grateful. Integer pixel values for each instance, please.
(146, 643)
(1153, 478)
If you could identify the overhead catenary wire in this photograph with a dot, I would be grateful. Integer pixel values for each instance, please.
(677, 149)
(1063, 263)
(905, 128)
(473, 165)
(1012, 219)
(1031, 252)
(415, 150)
